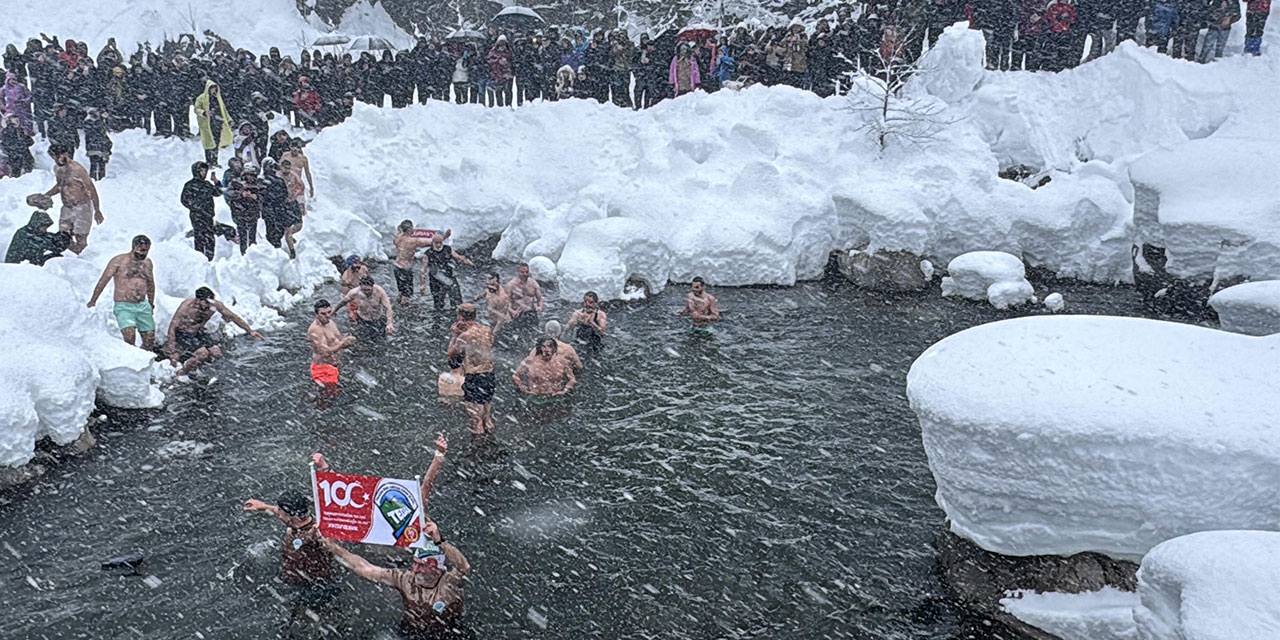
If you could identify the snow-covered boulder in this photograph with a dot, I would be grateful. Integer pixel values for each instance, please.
(995, 276)
(1106, 614)
(1252, 308)
(1054, 435)
(1215, 585)
(1055, 303)
(885, 270)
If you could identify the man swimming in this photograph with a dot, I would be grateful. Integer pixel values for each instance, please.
(544, 373)
(700, 306)
(496, 301)
(188, 342)
(590, 321)
(526, 299)
(135, 292)
(375, 319)
(80, 206)
(327, 344)
(472, 345)
(563, 349)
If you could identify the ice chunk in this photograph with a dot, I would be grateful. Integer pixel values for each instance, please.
(1052, 435)
(1106, 614)
(1054, 302)
(995, 276)
(542, 269)
(1252, 308)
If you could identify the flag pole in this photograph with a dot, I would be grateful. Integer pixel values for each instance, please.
(315, 494)
(422, 512)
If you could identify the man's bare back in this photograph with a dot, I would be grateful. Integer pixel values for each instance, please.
(407, 247)
(475, 343)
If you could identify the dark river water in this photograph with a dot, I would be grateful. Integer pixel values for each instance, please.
(766, 482)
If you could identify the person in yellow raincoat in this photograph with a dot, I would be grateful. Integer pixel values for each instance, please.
(212, 120)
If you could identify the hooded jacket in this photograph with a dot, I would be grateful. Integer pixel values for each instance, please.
(15, 99)
(35, 245)
(202, 107)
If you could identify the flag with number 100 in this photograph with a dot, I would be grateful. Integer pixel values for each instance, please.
(368, 509)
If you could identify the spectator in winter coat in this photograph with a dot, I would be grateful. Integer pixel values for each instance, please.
(16, 63)
(1255, 25)
(500, 73)
(1161, 24)
(243, 145)
(684, 77)
(97, 144)
(214, 123)
(110, 57)
(64, 129)
(244, 193)
(15, 100)
(280, 142)
(34, 242)
(199, 195)
(565, 79)
(1222, 14)
(725, 68)
(118, 100)
(620, 55)
(16, 143)
(279, 212)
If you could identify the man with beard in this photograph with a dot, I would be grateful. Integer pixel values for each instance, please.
(497, 303)
(700, 306)
(80, 206)
(374, 318)
(437, 271)
(544, 373)
(526, 299)
(135, 292)
(590, 322)
(188, 341)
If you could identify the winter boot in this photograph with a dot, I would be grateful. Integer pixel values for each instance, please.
(1253, 45)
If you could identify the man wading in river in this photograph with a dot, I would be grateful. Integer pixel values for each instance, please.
(437, 271)
(591, 323)
(700, 306)
(544, 373)
(563, 349)
(350, 279)
(327, 344)
(375, 320)
(135, 292)
(188, 342)
(407, 246)
(305, 562)
(472, 345)
(526, 300)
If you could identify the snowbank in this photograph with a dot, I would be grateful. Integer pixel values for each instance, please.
(370, 18)
(1098, 615)
(1252, 308)
(994, 276)
(1055, 435)
(1216, 585)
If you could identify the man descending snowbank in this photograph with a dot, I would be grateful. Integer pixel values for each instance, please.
(1057, 435)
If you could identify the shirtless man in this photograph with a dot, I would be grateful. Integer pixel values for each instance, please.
(300, 166)
(406, 251)
(526, 299)
(80, 207)
(497, 302)
(590, 321)
(375, 320)
(473, 346)
(700, 306)
(544, 373)
(135, 292)
(305, 562)
(563, 349)
(350, 279)
(188, 342)
(327, 344)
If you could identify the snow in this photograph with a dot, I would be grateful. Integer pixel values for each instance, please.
(1252, 308)
(1054, 302)
(1216, 585)
(1053, 435)
(370, 18)
(994, 276)
(542, 269)
(1106, 614)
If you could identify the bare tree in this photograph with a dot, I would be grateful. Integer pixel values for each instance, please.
(890, 113)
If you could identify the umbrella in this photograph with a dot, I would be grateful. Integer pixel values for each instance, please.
(462, 35)
(331, 39)
(370, 43)
(517, 17)
(695, 32)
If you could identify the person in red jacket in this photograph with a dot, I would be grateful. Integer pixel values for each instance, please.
(500, 73)
(307, 101)
(1255, 24)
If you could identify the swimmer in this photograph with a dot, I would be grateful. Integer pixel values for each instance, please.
(563, 349)
(700, 306)
(497, 302)
(472, 345)
(327, 344)
(135, 292)
(526, 299)
(188, 342)
(375, 320)
(306, 563)
(350, 279)
(406, 250)
(544, 373)
(591, 323)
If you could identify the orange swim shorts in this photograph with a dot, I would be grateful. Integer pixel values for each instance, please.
(325, 374)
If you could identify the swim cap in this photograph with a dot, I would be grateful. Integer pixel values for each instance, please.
(352, 259)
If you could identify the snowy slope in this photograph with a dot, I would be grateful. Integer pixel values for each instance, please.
(1218, 585)
(1251, 308)
(1056, 435)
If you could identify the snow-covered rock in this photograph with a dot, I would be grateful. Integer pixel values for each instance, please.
(1096, 615)
(1215, 585)
(542, 269)
(1252, 308)
(1054, 302)
(997, 277)
(1054, 435)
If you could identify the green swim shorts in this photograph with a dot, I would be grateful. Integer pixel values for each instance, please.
(135, 315)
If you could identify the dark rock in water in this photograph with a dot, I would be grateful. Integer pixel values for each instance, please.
(1164, 294)
(130, 561)
(46, 458)
(979, 579)
(885, 271)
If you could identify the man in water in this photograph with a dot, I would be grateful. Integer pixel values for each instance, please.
(544, 373)
(700, 306)
(327, 344)
(80, 207)
(407, 246)
(305, 561)
(526, 299)
(188, 342)
(472, 345)
(375, 320)
(563, 349)
(591, 323)
(135, 292)
(350, 279)
(437, 271)
(497, 302)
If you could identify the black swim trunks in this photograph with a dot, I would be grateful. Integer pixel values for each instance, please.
(188, 342)
(479, 388)
(371, 330)
(404, 281)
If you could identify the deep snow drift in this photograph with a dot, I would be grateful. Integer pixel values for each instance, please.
(994, 276)
(1056, 435)
(1217, 585)
(1252, 308)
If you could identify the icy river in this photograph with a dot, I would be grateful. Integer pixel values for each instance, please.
(767, 482)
